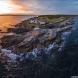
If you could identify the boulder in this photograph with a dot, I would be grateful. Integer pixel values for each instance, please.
(19, 30)
(0, 47)
(0, 41)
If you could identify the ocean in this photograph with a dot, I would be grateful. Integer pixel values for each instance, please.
(9, 21)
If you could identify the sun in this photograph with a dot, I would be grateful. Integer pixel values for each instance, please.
(4, 7)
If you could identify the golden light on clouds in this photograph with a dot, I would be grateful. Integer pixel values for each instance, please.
(7, 7)
(4, 7)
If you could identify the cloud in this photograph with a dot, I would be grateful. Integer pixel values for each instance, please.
(43, 6)
(20, 7)
(33, 6)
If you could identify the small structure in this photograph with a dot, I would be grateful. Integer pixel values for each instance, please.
(36, 28)
(33, 21)
(42, 22)
(61, 18)
(36, 21)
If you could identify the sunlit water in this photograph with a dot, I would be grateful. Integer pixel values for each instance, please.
(50, 62)
(9, 21)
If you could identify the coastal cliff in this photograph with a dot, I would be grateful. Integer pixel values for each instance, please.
(26, 39)
(27, 45)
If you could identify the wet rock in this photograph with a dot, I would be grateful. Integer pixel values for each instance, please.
(0, 47)
(48, 26)
(19, 30)
(4, 61)
(28, 39)
(37, 37)
(6, 40)
(0, 41)
(0, 30)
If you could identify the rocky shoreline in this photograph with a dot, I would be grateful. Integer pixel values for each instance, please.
(29, 39)
(29, 44)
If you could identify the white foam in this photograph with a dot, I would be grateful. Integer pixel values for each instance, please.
(61, 45)
(62, 28)
(9, 54)
(6, 51)
(12, 56)
(64, 35)
(74, 28)
(51, 46)
(34, 53)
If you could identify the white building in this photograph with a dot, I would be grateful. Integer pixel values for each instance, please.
(42, 22)
(33, 21)
(36, 21)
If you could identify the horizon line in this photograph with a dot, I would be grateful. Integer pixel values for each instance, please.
(35, 14)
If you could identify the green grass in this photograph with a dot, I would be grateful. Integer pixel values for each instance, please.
(49, 18)
(55, 16)
(31, 25)
(52, 18)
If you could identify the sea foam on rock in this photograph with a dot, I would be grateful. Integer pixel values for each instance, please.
(8, 53)
(35, 41)
(35, 52)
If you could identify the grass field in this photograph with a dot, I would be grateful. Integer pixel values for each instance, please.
(53, 18)
(30, 25)
(47, 18)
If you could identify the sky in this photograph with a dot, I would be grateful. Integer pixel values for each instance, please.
(39, 7)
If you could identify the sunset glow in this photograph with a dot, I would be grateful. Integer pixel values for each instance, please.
(7, 7)
(38, 7)
(4, 7)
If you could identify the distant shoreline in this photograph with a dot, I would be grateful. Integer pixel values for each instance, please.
(15, 15)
